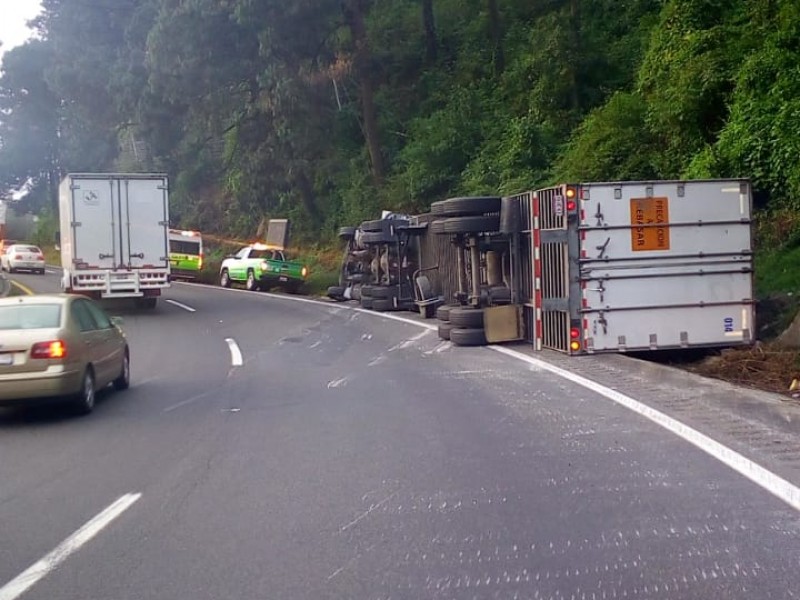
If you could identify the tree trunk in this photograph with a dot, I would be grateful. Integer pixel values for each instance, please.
(431, 43)
(354, 11)
(496, 33)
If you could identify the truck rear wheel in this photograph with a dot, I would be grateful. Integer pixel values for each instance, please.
(251, 284)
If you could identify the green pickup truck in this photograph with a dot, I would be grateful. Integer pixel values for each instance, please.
(260, 267)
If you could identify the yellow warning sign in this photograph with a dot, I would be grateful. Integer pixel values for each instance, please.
(649, 224)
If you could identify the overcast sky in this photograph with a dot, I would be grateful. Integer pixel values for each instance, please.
(13, 16)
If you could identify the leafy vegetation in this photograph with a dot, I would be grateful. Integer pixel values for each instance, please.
(328, 111)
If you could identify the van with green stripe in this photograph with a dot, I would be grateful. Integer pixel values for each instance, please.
(185, 254)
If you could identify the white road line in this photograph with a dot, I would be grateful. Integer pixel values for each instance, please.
(779, 487)
(181, 305)
(27, 579)
(774, 484)
(236, 356)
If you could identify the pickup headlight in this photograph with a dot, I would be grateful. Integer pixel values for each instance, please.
(304, 271)
(264, 266)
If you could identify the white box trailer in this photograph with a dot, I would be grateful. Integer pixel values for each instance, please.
(639, 266)
(114, 235)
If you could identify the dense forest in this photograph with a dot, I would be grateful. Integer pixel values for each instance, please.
(328, 111)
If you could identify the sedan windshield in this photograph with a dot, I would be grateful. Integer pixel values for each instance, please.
(30, 316)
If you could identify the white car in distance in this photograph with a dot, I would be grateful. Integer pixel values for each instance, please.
(22, 257)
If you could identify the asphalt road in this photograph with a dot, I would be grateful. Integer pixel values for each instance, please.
(354, 457)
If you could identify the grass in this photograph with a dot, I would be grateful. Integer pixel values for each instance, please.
(777, 271)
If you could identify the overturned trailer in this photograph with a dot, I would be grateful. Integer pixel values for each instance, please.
(616, 267)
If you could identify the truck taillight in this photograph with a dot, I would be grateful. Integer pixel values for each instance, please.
(575, 341)
(51, 349)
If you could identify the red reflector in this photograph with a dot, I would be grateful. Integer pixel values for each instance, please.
(18, 257)
(52, 349)
(574, 333)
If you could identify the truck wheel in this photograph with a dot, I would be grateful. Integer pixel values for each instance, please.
(464, 316)
(225, 279)
(382, 305)
(444, 330)
(366, 302)
(251, 285)
(148, 303)
(467, 337)
(336, 292)
(443, 312)
(347, 233)
(472, 224)
(462, 207)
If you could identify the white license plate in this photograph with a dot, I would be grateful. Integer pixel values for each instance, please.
(6, 359)
(282, 278)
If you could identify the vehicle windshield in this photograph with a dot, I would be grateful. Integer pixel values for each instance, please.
(30, 316)
(32, 249)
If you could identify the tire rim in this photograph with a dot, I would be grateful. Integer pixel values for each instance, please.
(126, 370)
(224, 279)
(251, 281)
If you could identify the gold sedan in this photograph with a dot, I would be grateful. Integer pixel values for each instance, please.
(59, 346)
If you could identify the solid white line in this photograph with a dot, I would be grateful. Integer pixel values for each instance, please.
(774, 484)
(767, 480)
(23, 582)
(236, 356)
(181, 305)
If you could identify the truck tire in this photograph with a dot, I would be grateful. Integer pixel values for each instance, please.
(382, 304)
(437, 226)
(469, 206)
(384, 291)
(444, 330)
(472, 224)
(366, 291)
(336, 292)
(372, 226)
(347, 233)
(467, 337)
(468, 317)
(148, 303)
(443, 313)
(366, 302)
(377, 237)
(225, 279)
(251, 284)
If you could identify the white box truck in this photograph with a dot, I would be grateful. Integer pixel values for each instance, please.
(114, 235)
(640, 266)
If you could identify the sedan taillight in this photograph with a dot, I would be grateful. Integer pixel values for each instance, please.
(52, 349)
(18, 257)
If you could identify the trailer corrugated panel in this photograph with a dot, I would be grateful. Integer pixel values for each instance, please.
(666, 264)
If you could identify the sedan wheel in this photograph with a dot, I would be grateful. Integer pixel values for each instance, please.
(84, 403)
(123, 382)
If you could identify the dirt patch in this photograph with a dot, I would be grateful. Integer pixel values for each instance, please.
(765, 366)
